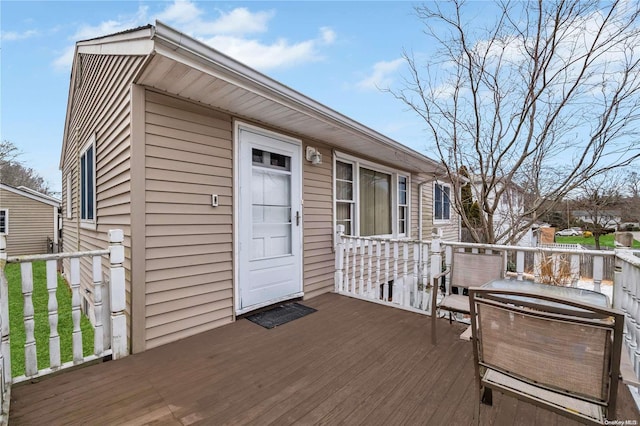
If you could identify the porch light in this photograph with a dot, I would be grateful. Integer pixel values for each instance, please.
(313, 155)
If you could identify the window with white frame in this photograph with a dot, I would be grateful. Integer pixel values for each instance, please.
(403, 206)
(370, 199)
(88, 182)
(441, 202)
(4, 221)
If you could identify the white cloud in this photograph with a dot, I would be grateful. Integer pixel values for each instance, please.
(13, 36)
(265, 56)
(381, 76)
(227, 32)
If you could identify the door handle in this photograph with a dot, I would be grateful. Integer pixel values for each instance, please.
(298, 218)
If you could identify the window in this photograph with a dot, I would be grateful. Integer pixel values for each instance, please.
(370, 199)
(88, 182)
(403, 206)
(4, 221)
(441, 202)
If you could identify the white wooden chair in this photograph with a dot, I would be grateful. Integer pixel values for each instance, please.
(564, 356)
(467, 270)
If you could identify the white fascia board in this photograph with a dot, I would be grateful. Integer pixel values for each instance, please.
(127, 48)
(228, 69)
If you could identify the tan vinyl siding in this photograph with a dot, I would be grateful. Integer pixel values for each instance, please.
(30, 223)
(100, 107)
(189, 247)
(317, 189)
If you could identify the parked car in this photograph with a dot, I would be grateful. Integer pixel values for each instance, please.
(568, 233)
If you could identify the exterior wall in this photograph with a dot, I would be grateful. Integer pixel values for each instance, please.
(450, 229)
(188, 243)
(101, 107)
(189, 247)
(30, 223)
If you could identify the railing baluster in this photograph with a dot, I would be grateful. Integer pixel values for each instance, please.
(415, 278)
(424, 270)
(338, 277)
(575, 269)
(54, 337)
(362, 244)
(404, 299)
(519, 265)
(346, 265)
(378, 256)
(30, 352)
(385, 286)
(369, 266)
(98, 333)
(75, 310)
(394, 289)
(598, 268)
(354, 247)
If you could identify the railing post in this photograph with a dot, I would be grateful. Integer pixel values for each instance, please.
(339, 258)
(30, 352)
(5, 347)
(598, 269)
(436, 263)
(119, 347)
(98, 333)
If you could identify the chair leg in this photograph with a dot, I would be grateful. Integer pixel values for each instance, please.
(450, 318)
(487, 396)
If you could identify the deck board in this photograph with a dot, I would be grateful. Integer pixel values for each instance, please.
(351, 362)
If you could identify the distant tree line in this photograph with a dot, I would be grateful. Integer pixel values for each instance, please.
(15, 173)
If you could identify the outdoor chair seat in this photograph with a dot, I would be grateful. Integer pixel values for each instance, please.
(455, 303)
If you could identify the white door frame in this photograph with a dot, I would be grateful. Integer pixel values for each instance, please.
(237, 125)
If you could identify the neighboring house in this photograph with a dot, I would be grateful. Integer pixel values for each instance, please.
(228, 185)
(509, 211)
(609, 219)
(29, 219)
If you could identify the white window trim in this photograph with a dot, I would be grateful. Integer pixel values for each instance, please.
(88, 223)
(433, 203)
(358, 163)
(69, 197)
(6, 221)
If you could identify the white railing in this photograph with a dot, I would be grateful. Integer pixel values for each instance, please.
(109, 339)
(387, 271)
(627, 298)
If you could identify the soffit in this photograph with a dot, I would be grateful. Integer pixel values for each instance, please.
(191, 76)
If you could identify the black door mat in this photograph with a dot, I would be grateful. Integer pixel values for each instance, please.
(280, 315)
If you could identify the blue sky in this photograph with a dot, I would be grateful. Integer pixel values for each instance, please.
(338, 53)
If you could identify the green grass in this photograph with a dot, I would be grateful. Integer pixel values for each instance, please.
(605, 241)
(41, 317)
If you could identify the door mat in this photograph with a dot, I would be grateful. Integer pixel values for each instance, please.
(280, 315)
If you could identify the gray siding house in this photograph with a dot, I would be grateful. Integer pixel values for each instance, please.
(228, 185)
(29, 220)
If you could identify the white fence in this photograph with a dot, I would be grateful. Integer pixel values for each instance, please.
(399, 272)
(109, 339)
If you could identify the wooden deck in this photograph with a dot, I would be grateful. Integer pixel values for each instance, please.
(351, 362)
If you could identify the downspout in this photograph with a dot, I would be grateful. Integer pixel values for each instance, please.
(420, 185)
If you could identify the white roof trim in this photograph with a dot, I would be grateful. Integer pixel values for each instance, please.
(233, 70)
(30, 193)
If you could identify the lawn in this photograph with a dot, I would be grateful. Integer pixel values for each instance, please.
(605, 241)
(41, 317)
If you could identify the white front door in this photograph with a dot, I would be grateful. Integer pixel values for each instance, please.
(269, 219)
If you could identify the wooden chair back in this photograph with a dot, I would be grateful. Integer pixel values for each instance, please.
(564, 356)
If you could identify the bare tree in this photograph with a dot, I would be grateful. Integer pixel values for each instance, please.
(15, 173)
(546, 98)
(599, 198)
